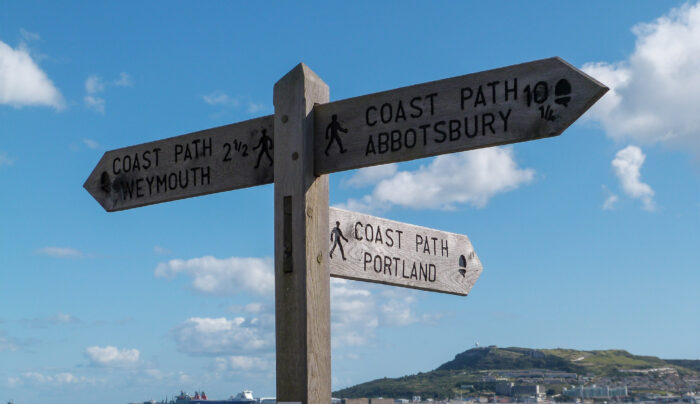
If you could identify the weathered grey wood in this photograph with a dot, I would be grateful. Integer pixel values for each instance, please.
(378, 250)
(302, 282)
(429, 119)
(199, 163)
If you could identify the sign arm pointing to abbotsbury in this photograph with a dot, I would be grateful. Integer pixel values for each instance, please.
(507, 105)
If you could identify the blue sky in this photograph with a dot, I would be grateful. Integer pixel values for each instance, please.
(589, 240)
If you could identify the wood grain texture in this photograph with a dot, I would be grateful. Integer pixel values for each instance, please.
(302, 292)
(394, 253)
(199, 163)
(512, 104)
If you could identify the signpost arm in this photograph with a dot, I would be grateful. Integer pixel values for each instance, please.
(302, 282)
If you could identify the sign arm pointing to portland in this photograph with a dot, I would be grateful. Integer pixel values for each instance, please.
(373, 249)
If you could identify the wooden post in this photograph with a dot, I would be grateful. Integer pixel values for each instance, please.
(302, 281)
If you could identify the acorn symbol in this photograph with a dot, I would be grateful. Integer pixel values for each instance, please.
(105, 182)
(462, 265)
(562, 91)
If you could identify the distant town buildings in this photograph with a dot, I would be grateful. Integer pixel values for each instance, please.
(595, 392)
(520, 391)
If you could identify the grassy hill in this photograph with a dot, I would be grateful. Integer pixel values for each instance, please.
(478, 365)
(686, 363)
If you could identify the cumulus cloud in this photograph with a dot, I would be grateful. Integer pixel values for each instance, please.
(91, 144)
(124, 80)
(223, 276)
(245, 363)
(96, 85)
(219, 98)
(611, 199)
(358, 309)
(251, 308)
(56, 379)
(222, 336)
(60, 252)
(371, 175)
(110, 356)
(627, 166)
(654, 93)
(29, 36)
(472, 177)
(161, 250)
(353, 314)
(93, 86)
(23, 83)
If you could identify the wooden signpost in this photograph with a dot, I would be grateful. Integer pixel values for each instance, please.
(372, 249)
(309, 137)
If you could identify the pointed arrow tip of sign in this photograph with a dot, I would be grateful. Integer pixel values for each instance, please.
(603, 88)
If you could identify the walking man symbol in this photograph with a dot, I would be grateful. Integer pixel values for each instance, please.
(265, 145)
(332, 130)
(336, 235)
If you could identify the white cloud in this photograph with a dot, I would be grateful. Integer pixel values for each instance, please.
(94, 102)
(255, 107)
(60, 252)
(627, 165)
(28, 36)
(357, 311)
(95, 85)
(56, 379)
(111, 356)
(217, 336)
(91, 144)
(242, 363)
(371, 175)
(161, 250)
(611, 200)
(124, 80)
(219, 98)
(23, 83)
(5, 159)
(654, 94)
(223, 276)
(472, 177)
(353, 314)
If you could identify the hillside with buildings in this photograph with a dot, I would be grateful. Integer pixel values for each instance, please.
(523, 374)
